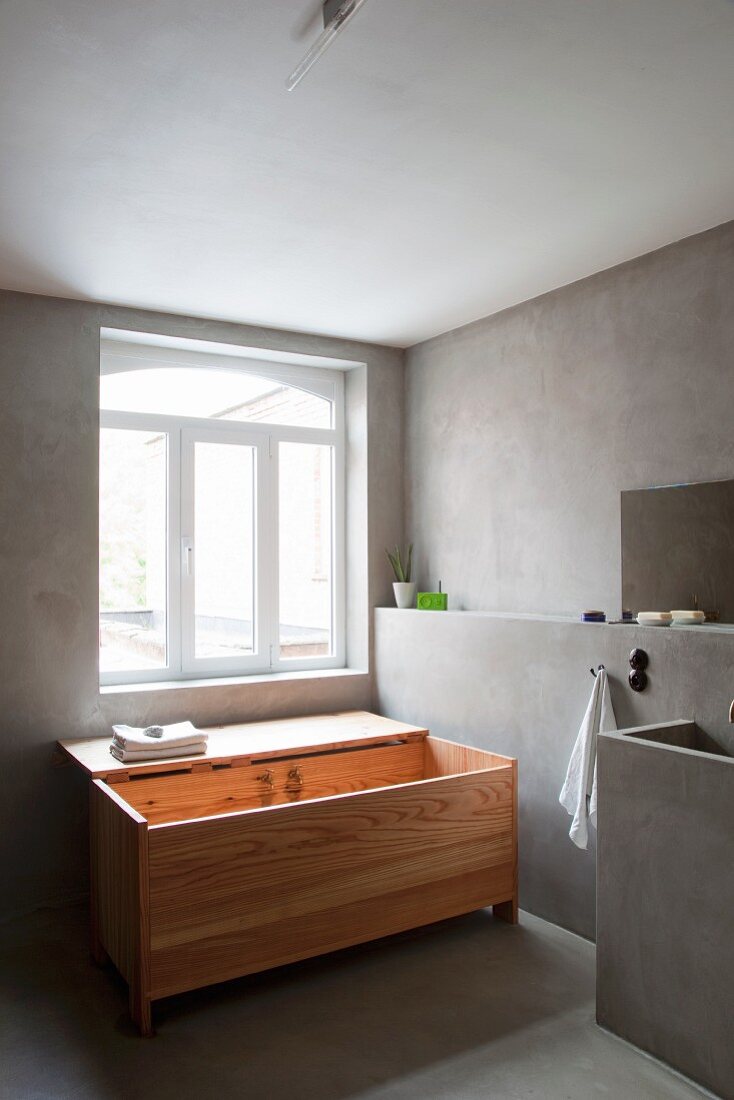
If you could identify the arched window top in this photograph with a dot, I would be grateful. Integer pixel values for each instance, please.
(215, 394)
(160, 381)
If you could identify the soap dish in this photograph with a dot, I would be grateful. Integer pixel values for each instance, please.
(688, 618)
(654, 618)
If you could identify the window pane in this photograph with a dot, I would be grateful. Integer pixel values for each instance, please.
(132, 550)
(217, 394)
(224, 509)
(305, 550)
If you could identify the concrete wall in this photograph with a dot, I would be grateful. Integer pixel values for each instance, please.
(521, 431)
(520, 687)
(49, 365)
(523, 428)
(665, 951)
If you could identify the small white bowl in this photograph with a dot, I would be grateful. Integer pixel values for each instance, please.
(654, 618)
(688, 618)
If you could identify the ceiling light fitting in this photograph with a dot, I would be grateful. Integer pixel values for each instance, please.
(337, 14)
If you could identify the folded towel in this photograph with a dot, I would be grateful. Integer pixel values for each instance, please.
(133, 756)
(177, 735)
(578, 795)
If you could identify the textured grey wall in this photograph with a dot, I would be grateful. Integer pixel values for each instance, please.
(521, 431)
(665, 953)
(49, 367)
(520, 687)
(523, 428)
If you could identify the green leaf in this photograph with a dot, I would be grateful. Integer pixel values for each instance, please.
(402, 571)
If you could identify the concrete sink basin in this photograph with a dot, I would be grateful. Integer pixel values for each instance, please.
(682, 734)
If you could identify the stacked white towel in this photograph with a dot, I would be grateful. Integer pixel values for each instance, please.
(578, 796)
(131, 744)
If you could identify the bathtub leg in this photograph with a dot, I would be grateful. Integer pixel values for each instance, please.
(140, 1010)
(506, 910)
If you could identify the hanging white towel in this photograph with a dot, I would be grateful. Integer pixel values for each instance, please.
(578, 795)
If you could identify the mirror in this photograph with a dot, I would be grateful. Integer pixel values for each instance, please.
(678, 549)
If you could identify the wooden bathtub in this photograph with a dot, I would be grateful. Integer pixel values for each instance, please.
(286, 840)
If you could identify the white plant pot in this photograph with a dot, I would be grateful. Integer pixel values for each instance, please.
(404, 593)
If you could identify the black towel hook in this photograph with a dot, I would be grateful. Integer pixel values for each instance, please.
(598, 670)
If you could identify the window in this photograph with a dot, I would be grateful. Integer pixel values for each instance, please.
(221, 515)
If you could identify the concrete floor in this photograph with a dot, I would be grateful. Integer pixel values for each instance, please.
(467, 1009)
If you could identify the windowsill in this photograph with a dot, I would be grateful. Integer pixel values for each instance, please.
(230, 681)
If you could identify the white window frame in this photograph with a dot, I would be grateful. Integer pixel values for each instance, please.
(182, 432)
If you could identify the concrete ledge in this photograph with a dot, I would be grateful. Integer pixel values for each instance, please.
(570, 620)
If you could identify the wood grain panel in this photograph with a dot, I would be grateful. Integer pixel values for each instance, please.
(222, 888)
(234, 954)
(198, 794)
(275, 897)
(250, 740)
(119, 891)
(449, 758)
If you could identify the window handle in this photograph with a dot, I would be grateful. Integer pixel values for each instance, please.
(187, 556)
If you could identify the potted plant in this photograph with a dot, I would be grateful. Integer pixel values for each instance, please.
(403, 587)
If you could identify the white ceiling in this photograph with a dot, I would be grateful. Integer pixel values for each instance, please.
(443, 160)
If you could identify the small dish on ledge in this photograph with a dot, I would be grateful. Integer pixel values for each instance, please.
(688, 618)
(654, 618)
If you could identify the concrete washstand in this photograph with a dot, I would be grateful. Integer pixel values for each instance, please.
(665, 897)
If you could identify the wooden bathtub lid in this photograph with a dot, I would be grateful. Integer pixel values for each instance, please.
(240, 744)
